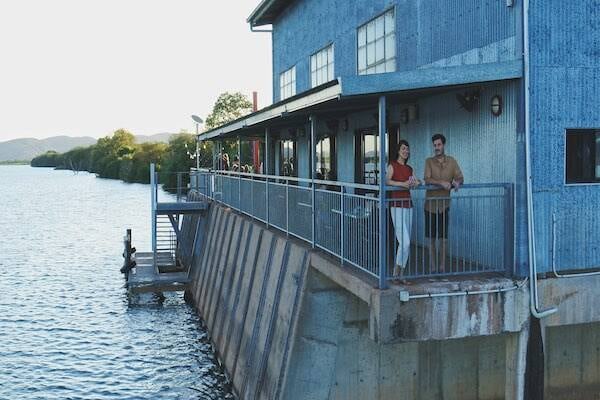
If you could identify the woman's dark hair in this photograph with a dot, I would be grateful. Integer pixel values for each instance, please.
(438, 136)
(400, 143)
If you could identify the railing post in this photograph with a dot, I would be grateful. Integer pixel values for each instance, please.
(342, 223)
(509, 235)
(153, 211)
(313, 129)
(287, 208)
(266, 172)
(382, 210)
(239, 147)
(179, 183)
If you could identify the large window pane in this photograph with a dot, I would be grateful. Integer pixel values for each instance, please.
(287, 83)
(321, 63)
(377, 47)
(390, 46)
(379, 50)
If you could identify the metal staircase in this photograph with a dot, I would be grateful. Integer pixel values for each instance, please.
(166, 223)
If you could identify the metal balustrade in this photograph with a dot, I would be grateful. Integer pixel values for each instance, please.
(345, 217)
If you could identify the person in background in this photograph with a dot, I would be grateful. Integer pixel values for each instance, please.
(400, 174)
(236, 164)
(225, 161)
(443, 171)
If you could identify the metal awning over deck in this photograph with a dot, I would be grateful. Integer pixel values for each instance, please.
(355, 93)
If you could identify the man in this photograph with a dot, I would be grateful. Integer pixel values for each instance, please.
(442, 171)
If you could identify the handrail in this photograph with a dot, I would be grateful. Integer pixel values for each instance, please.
(348, 184)
(343, 206)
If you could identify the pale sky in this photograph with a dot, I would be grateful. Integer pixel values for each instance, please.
(89, 67)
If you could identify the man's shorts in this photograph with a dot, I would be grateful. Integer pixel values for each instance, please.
(436, 224)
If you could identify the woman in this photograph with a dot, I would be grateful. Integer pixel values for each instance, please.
(400, 174)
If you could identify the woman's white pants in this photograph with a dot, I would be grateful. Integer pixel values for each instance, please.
(402, 220)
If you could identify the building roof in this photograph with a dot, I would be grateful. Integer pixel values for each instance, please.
(267, 11)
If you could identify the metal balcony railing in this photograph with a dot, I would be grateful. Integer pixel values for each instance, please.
(343, 220)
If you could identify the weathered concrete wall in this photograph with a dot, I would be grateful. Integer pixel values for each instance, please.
(571, 338)
(334, 357)
(289, 323)
(247, 284)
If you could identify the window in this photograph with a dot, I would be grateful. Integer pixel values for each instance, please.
(377, 45)
(287, 158)
(367, 168)
(321, 66)
(582, 161)
(325, 153)
(287, 83)
(367, 152)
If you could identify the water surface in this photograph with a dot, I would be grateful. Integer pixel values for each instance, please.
(67, 328)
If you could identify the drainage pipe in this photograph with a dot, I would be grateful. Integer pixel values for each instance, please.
(533, 289)
(517, 286)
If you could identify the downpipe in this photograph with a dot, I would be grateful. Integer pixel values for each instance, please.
(533, 288)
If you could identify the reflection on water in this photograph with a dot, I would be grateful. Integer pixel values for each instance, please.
(67, 328)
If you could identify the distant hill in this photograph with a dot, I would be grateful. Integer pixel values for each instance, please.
(26, 149)
(159, 137)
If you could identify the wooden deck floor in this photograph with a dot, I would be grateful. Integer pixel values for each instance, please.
(146, 278)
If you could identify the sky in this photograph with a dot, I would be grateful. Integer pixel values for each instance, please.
(89, 67)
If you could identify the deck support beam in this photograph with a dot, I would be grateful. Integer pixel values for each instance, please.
(382, 208)
(313, 164)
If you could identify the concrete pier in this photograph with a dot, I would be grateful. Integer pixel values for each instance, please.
(291, 323)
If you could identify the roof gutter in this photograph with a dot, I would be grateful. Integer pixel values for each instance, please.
(259, 12)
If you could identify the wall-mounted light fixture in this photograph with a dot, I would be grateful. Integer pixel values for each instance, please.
(496, 105)
(413, 112)
(404, 116)
(345, 125)
(333, 125)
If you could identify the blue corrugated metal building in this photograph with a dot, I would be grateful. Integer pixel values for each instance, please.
(333, 59)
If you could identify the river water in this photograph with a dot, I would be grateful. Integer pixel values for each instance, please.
(67, 327)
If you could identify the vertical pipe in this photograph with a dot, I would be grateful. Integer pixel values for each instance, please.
(313, 128)
(266, 172)
(382, 211)
(153, 211)
(197, 150)
(534, 300)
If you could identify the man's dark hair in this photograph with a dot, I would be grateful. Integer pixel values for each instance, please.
(438, 136)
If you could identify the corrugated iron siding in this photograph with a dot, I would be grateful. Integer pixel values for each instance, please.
(485, 148)
(565, 87)
(429, 33)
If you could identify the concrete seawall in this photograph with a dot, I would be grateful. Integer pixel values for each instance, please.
(291, 323)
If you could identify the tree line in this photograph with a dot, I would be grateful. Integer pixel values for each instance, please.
(118, 156)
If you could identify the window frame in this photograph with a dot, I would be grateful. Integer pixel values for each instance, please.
(282, 145)
(384, 38)
(314, 82)
(332, 156)
(291, 84)
(565, 134)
